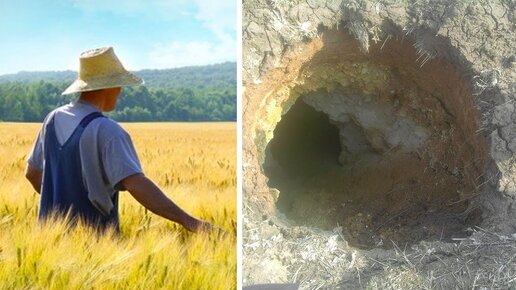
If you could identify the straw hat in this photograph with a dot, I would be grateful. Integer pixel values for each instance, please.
(101, 69)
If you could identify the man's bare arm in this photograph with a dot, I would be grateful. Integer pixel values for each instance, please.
(34, 176)
(149, 195)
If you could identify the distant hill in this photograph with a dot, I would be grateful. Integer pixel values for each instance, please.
(30, 76)
(216, 75)
(196, 93)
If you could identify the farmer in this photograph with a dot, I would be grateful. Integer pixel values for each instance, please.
(81, 159)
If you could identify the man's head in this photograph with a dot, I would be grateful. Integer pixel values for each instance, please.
(104, 99)
(101, 73)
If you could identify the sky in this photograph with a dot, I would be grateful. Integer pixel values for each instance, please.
(38, 35)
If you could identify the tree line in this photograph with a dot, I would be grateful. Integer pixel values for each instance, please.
(206, 93)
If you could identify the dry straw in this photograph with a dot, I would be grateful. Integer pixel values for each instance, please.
(100, 68)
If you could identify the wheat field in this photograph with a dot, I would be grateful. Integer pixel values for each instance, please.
(194, 163)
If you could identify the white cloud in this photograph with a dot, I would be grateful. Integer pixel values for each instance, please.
(179, 53)
(219, 17)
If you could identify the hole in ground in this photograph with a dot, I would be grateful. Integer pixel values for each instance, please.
(396, 161)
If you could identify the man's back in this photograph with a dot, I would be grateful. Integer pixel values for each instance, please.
(63, 192)
(106, 151)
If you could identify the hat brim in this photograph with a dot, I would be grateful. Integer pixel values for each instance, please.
(119, 80)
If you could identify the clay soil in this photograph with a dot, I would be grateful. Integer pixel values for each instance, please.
(384, 193)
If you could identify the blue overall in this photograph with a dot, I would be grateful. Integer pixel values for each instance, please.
(63, 190)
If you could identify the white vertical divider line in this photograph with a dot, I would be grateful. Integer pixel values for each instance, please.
(239, 167)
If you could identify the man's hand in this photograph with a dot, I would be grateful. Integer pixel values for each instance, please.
(35, 177)
(151, 197)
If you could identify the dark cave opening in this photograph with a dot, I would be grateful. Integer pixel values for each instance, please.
(306, 142)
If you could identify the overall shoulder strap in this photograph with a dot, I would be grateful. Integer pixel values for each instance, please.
(50, 118)
(86, 120)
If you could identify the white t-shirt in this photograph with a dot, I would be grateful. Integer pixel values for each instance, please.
(107, 152)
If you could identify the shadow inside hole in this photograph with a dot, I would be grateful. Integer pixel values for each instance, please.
(306, 143)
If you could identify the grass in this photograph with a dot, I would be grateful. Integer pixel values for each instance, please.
(195, 164)
(485, 260)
